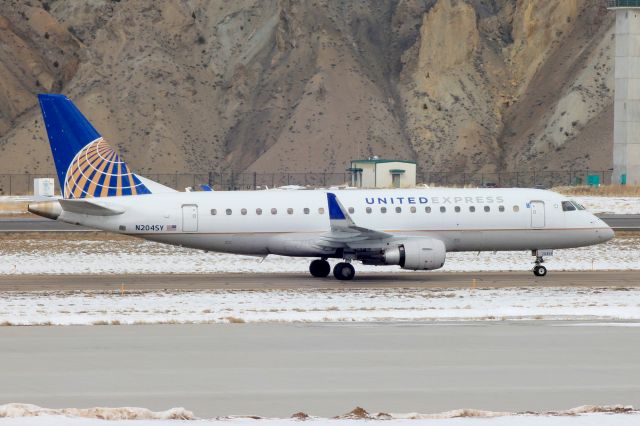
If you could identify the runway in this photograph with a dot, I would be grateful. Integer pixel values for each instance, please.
(37, 224)
(276, 370)
(305, 281)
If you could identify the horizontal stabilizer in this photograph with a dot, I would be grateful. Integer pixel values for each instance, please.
(90, 208)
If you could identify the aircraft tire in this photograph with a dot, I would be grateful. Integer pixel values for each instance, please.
(344, 271)
(319, 268)
(539, 271)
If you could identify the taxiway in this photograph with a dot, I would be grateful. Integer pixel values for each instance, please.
(277, 370)
(304, 281)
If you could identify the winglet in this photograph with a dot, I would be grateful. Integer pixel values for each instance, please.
(343, 228)
(335, 210)
(338, 216)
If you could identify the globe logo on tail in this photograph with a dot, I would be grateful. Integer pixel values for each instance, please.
(96, 171)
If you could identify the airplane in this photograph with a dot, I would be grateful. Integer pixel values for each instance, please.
(411, 228)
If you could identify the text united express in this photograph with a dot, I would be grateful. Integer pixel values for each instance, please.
(433, 200)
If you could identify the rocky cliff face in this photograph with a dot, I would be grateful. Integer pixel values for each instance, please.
(300, 85)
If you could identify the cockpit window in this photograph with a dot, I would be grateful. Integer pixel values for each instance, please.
(578, 206)
(567, 206)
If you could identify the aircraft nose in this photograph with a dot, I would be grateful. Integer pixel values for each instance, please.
(607, 233)
(604, 231)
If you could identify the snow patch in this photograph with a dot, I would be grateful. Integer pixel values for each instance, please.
(121, 413)
(610, 205)
(25, 414)
(364, 305)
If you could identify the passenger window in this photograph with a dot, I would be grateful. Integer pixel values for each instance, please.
(516, 209)
(457, 209)
(427, 209)
(214, 212)
(321, 210)
(472, 209)
(487, 209)
(501, 208)
(413, 210)
(567, 206)
(369, 210)
(274, 211)
(398, 209)
(306, 210)
(290, 210)
(443, 209)
(229, 212)
(258, 212)
(243, 212)
(383, 209)
(351, 210)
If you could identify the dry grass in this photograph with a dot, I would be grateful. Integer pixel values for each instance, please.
(65, 236)
(235, 320)
(602, 191)
(13, 208)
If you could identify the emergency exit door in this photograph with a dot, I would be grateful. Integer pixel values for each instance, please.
(537, 214)
(190, 218)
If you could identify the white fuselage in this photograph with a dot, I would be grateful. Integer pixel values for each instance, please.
(291, 222)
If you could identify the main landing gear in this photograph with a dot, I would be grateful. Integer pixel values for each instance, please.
(343, 271)
(320, 268)
(538, 269)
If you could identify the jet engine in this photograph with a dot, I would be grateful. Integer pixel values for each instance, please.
(419, 254)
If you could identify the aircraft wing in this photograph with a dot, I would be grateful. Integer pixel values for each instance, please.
(344, 232)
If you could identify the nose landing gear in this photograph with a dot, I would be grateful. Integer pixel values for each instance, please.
(538, 269)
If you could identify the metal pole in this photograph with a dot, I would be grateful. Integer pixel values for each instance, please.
(255, 178)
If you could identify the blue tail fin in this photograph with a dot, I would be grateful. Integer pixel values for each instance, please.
(87, 166)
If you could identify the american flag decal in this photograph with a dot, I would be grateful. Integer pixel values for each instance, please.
(171, 227)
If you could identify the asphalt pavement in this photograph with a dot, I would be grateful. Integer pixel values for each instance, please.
(240, 281)
(326, 370)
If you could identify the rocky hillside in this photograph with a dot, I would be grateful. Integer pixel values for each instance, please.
(299, 85)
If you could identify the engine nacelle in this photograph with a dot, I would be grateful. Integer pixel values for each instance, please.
(419, 254)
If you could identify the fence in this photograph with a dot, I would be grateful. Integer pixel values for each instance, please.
(22, 184)
(623, 3)
(529, 179)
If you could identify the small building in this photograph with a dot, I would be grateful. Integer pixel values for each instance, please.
(376, 172)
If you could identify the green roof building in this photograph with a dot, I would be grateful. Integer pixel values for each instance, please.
(376, 172)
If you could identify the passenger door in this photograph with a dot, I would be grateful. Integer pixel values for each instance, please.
(537, 214)
(189, 218)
